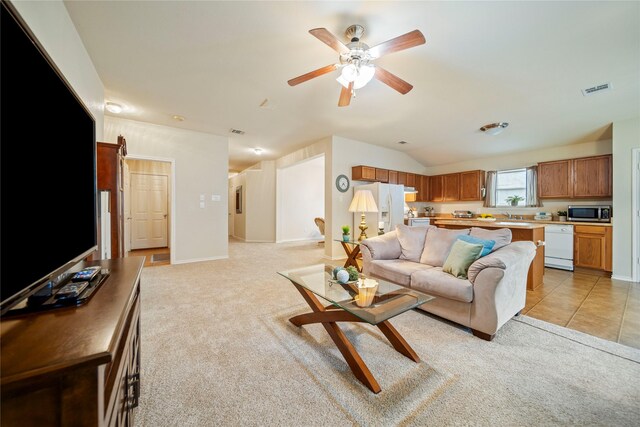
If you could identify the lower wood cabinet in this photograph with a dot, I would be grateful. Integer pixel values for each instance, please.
(592, 247)
(76, 366)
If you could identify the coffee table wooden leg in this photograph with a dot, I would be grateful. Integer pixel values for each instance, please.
(398, 342)
(355, 362)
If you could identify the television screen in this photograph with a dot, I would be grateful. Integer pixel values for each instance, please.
(47, 168)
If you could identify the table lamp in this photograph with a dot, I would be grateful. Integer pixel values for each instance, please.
(363, 202)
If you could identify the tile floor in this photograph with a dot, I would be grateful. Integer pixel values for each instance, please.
(599, 306)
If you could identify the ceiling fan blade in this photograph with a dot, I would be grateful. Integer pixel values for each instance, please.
(329, 39)
(345, 95)
(405, 41)
(315, 73)
(392, 80)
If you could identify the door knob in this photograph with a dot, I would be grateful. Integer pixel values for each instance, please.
(165, 215)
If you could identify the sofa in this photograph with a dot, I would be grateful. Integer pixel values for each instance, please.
(492, 293)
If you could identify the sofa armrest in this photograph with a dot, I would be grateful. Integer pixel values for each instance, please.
(385, 246)
(507, 255)
(500, 293)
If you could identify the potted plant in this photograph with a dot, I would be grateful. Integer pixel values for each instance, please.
(562, 216)
(346, 230)
(513, 200)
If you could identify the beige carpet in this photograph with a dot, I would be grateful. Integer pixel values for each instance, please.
(217, 349)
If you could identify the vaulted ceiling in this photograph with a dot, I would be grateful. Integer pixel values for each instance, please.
(215, 63)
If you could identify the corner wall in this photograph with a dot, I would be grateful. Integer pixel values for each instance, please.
(626, 136)
(201, 163)
(51, 24)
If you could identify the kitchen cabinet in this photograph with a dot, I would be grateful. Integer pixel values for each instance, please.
(382, 175)
(472, 185)
(592, 247)
(411, 180)
(436, 188)
(422, 185)
(393, 177)
(363, 173)
(586, 177)
(554, 179)
(402, 178)
(451, 185)
(592, 177)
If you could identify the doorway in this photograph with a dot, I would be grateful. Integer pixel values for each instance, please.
(147, 208)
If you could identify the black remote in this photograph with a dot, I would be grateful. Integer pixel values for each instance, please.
(71, 290)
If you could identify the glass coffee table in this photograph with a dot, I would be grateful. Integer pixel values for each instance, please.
(373, 302)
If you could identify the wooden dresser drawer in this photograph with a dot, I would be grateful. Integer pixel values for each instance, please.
(590, 229)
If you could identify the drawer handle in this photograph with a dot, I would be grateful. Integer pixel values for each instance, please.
(133, 381)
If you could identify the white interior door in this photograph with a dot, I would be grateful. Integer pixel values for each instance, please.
(149, 211)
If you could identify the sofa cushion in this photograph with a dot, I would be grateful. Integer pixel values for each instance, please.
(412, 241)
(438, 283)
(487, 245)
(462, 255)
(438, 244)
(502, 236)
(396, 270)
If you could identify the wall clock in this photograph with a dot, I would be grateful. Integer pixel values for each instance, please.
(342, 183)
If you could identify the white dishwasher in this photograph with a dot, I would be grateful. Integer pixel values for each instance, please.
(558, 252)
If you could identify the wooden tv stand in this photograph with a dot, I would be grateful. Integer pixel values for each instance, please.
(77, 365)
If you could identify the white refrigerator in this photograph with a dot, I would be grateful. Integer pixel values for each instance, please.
(390, 201)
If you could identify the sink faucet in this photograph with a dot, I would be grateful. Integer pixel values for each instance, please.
(507, 214)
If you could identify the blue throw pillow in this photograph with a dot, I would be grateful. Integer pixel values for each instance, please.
(487, 245)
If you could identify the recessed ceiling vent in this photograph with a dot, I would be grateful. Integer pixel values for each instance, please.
(237, 131)
(591, 90)
(402, 142)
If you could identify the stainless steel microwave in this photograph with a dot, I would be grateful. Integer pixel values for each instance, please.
(595, 213)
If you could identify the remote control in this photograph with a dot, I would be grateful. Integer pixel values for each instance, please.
(86, 274)
(71, 290)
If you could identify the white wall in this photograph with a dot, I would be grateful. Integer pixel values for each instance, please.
(260, 196)
(346, 153)
(52, 26)
(201, 163)
(300, 199)
(520, 160)
(626, 136)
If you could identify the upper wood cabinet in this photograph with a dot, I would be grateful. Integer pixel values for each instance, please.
(451, 187)
(393, 177)
(382, 175)
(592, 177)
(587, 177)
(422, 185)
(411, 180)
(554, 179)
(402, 178)
(436, 188)
(472, 185)
(363, 173)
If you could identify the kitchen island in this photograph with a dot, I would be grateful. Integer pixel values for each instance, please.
(520, 231)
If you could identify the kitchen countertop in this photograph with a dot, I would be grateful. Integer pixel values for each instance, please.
(516, 221)
(492, 224)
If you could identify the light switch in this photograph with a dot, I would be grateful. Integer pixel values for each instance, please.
(202, 197)
(215, 197)
(201, 205)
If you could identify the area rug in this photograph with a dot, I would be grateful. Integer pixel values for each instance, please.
(218, 349)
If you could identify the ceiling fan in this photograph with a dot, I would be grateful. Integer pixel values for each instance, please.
(356, 61)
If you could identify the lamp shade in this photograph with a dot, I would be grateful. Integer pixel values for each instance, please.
(363, 202)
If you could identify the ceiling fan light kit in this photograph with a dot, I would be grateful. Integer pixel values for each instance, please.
(356, 61)
(494, 128)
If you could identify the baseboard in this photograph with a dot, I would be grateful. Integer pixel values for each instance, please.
(259, 241)
(623, 278)
(189, 261)
(303, 239)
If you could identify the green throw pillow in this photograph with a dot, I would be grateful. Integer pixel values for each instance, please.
(461, 257)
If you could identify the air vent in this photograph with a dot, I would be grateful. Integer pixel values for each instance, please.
(591, 90)
(402, 142)
(237, 131)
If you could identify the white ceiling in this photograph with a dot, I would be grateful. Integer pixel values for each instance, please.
(521, 62)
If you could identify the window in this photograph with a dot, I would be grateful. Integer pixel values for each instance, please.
(511, 184)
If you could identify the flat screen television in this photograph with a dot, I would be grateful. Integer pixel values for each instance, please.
(48, 214)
